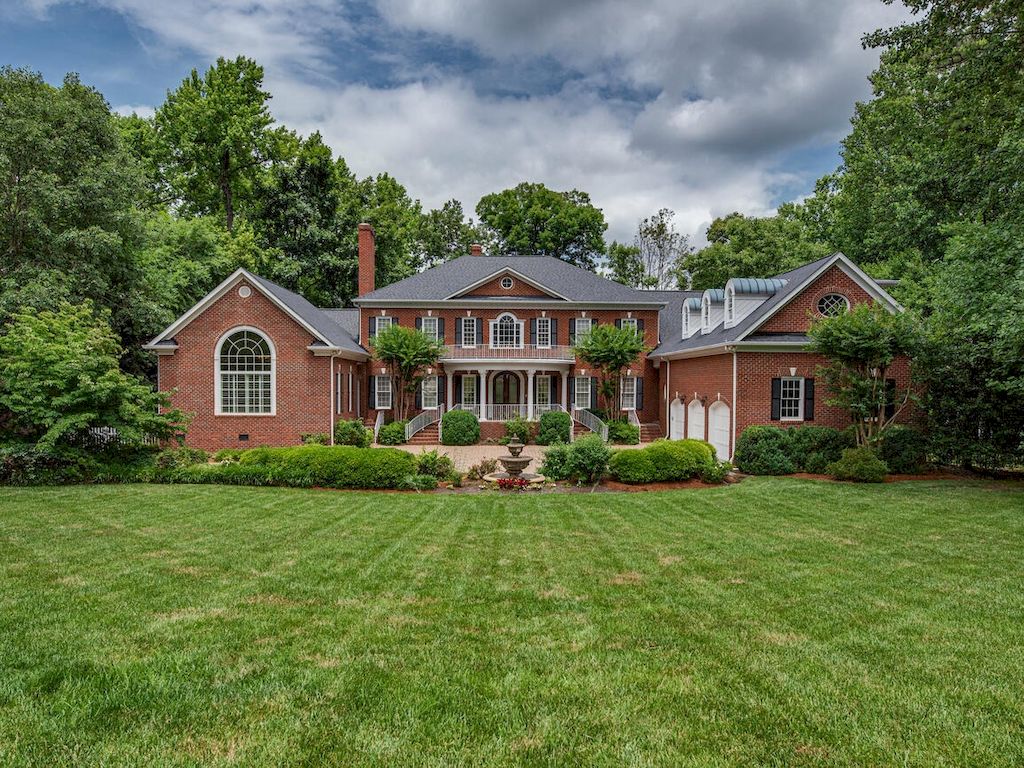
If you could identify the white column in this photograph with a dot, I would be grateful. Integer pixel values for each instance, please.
(482, 386)
(565, 390)
(449, 381)
(529, 394)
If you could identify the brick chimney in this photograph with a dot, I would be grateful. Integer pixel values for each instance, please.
(367, 259)
(476, 250)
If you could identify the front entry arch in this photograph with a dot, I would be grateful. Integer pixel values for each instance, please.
(506, 388)
(676, 416)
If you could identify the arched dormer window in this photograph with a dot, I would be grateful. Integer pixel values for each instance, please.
(705, 314)
(507, 331)
(686, 320)
(730, 305)
(245, 373)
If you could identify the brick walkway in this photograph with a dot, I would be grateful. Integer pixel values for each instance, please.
(466, 456)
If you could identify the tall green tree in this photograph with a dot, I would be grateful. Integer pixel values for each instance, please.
(217, 136)
(532, 219)
(445, 233)
(662, 249)
(624, 264)
(384, 202)
(69, 229)
(742, 246)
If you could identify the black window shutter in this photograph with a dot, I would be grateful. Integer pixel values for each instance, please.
(554, 332)
(618, 322)
(373, 327)
(890, 398)
(419, 394)
(533, 331)
(419, 323)
(808, 399)
(639, 393)
(640, 327)
(440, 329)
(371, 392)
(479, 383)
(458, 331)
(593, 392)
(570, 382)
(457, 394)
(572, 331)
(776, 399)
(479, 332)
(441, 390)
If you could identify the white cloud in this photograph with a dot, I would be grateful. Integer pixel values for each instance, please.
(142, 110)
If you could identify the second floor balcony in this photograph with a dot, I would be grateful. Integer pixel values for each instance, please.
(557, 352)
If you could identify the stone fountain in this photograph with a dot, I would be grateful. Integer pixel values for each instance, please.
(514, 465)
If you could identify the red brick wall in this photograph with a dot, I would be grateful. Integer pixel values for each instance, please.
(796, 316)
(519, 288)
(303, 399)
(706, 379)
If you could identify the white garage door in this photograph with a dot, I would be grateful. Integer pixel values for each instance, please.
(676, 418)
(718, 429)
(695, 420)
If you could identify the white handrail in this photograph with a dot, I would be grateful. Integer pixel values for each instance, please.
(591, 422)
(632, 417)
(423, 420)
(377, 424)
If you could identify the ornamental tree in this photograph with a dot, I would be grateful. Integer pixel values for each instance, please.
(610, 350)
(861, 345)
(59, 376)
(407, 354)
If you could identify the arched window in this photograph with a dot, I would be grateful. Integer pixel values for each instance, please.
(832, 304)
(506, 331)
(686, 321)
(705, 315)
(730, 304)
(245, 373)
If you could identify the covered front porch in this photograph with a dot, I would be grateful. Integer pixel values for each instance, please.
(502, 392)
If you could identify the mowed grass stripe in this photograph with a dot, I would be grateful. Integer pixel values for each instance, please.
(777, 622)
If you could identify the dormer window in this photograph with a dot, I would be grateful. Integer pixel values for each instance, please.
(686, 320)
(730, 305)
(705, 315)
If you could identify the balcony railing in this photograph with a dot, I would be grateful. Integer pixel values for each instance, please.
(524, 352)
(504, 412)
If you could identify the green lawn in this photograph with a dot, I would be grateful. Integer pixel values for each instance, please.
(777, 622)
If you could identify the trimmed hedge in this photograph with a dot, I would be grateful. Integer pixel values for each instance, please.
(308, 466)
(519, 427)
(676, 460)
(764, 451)
(623, 433)
(555, 427)
(352, 432)
(633, 467)
(584, 460)
(460, 428)
(904, 450)
(860, 465)
(392, 433)
(173, 458)
(811, 448)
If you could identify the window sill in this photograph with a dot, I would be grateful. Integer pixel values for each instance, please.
(223, 413)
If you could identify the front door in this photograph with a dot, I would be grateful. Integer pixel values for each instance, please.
(505, 388)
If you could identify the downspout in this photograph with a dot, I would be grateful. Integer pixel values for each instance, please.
(668, 403)
(732, 435)
(332, 394)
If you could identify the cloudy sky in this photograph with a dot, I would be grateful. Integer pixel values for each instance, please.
(702, 107)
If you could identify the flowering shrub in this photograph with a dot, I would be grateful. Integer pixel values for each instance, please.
(512, 483)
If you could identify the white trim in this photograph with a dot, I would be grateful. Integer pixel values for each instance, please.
(476, 324)
(499, 273)
(622, 393)
(492, 326)
(376, 393)
(800, 398)
(217, 409)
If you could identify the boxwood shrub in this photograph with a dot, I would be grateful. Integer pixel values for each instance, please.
(338, 466)
(764, 451)
(588, 459)
(861, 465)
(352, 432)
(676, 460)
(460, 428)
(392, 433)
(811, 447)
(632, 467)
(555, 427)
(623, 433)
(903, 450)
(519, 427)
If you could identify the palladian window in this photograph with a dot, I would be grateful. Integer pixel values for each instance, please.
(245, 372)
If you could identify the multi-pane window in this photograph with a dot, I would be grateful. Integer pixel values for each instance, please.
(429, 326)
(628, 393)
(544, 332)
(628, 322)
(428, 393)
(246, 369)
(383, 385)
(792, 400)
(543, 390)
(686, 321)
(469, 331)
(506, 331)
(469, 391)
(705, 315)
(832, 304)
(582, 391)
(383, 323)
(583, 326)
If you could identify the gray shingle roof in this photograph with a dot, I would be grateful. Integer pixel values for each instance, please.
(325, 325)
(672, 322)
(560, 277)
(347, 318)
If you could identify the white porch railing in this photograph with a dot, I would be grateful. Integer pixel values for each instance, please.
(633, 419)
(474, 409)
(423, 420)
(591, 422)
(524, 352)
(504, 412)
(377, 424)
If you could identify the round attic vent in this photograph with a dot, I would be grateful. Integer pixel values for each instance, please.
(244, 291)
(507, 283)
